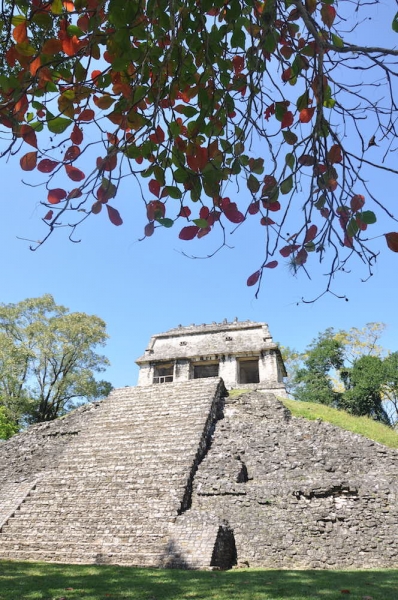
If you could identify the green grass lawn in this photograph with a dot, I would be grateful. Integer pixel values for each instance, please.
(39, 581)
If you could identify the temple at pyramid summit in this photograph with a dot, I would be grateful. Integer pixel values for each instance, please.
(199, 466)
(242, 354)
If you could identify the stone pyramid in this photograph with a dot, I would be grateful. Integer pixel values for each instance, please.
(182, 474)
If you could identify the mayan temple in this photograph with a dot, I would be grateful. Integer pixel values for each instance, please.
(186, 470)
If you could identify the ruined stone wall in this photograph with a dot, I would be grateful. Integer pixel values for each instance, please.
(299, 493)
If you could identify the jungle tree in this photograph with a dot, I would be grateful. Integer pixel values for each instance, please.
(186, 97)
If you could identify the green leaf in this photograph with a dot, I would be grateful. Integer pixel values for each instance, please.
(290, 160)
(238, 39)
(173, 192)
(395, 23)
(166, 222)
(352, 227)
(59, 124)
(302, 101)
(253, 184)
(337, 41)
(290, 137)
(287, 185)
(202, 223)
(368, 217)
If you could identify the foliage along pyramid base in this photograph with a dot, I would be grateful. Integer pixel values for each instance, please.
(182, 475)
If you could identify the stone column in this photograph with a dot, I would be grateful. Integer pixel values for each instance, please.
(228, 371)
(181, 369)
(268, 367)
(145, 375)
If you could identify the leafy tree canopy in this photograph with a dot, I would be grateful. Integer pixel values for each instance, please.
(186, 96)
(347, 370)
(47, 360)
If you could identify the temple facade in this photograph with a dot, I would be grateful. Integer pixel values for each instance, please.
(243, 354)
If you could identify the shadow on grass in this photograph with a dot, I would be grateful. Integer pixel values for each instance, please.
(38, 581)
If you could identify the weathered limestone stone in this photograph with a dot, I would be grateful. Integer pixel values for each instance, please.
(242, 353)
(183, 475)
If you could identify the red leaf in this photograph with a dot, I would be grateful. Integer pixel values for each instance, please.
(311, 234)
(204, 212)
(328, 14)
(272, 206)
(301, 257)
(96, 208)
(271, 265)
(155, 210)
(35, 65)
(86, 115)
(20, 33)
(28, 161)
(49, 215)
(52, 46)
(108, 163)
(233, 214)
(184, 212)
(149, 229)
(188, 233)
(287, 250)
(306, 160)
(157, 137)
(72, 153)
(239, 64)
(306, 115)
(357, 202)
(287, 74)
(75, 193)
(392, 240)
(198, 160)
(154, 187)
(56, 195)
(76, 135)
(114, 215)
(252, 280)
(334, 154)
(46, 165)
(203, 232)
(254, 207)
(287, 119)
(74, 173)
(267, 221)
(29, 136)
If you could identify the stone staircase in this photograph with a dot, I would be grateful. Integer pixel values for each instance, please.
(119, 485)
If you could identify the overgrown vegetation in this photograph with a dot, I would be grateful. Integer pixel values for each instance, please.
(348, 370)
(36, 581)
(362, 425)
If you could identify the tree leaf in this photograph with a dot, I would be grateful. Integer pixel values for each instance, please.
(368, 217)
(59, 124)
(114, 216)
(74, 173)
(55, 196)
(28, 161)
(392, 240)
(47, 166)
(306, 115)
(189, 232)
(286, 185)
(310, 234)
(252, 280)
(271, 265)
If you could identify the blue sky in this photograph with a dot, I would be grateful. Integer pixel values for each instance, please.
(142, 288)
